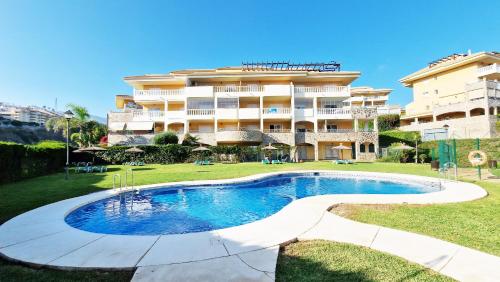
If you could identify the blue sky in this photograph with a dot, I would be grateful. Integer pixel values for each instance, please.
(79, 50)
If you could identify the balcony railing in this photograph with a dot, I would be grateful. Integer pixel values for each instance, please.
(276, 111)
(493, 68)
(321, 89)
(157, 93)
(334, 111)
(148, 115)
(237, 129)
(200, 112)
(244, 88)
(277, 130)
(335, 130)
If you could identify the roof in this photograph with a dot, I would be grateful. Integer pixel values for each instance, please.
(237, 73)
(450, 62)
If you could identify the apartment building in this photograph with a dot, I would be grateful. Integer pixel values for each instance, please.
(306, 106)
(364, 96)
(35, 114)
(455, 97)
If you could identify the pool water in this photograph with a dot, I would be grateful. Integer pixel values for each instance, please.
(186, 209)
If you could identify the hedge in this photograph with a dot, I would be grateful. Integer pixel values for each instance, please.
(464, 146)
(160, 154)
(26, 161)
(387, 138)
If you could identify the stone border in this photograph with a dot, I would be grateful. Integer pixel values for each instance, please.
(42, 237)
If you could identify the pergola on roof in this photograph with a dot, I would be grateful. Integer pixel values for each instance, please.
(287, 66)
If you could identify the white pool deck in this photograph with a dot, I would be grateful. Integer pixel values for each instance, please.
(242, 253)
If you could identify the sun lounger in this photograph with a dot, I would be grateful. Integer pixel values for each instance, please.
(276, 162)
(266, 161)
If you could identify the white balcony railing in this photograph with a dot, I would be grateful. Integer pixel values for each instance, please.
(234, 88)
(335, 130)
(249, 113)
(176, 114)
(330, 90)
(201, 112)
(490, 69)
(140, 115)
(334, 111)
(276, 111)
(157, 93)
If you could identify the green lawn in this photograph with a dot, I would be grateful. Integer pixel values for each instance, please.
(474, 224)
(330, 261)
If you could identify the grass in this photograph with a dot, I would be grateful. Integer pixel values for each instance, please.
(330, 261)
(473, 224)
(14, 272)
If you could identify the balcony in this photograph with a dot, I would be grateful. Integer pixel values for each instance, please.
(176, 115)
(489, 70)
(322, 91)
(235, 91)
(336, 113)
(284, 136)
(279, 113)
(341, 135)
(157, 94)
(241, 135)
(140, 115)
(200, 113)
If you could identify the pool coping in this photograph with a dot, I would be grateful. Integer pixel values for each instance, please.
(41, 237)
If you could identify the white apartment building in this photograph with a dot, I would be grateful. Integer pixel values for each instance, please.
(309, 107)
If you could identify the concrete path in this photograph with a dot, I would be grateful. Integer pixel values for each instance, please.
(241, 253)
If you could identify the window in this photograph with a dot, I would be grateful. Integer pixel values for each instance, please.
(331, 127)
(275, 127)
(371, 148)
(362, 148)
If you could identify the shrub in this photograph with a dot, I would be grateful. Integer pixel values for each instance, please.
(422, 158)
(388, 122)
(190, 140)
(160, 154)
(26, 161)
(395, 136)
(166, 138)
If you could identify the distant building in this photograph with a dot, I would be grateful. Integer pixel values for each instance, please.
(364, 96)
(35, 114)
(460, 92)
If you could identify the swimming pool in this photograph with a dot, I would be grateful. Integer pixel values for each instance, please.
(196, 208)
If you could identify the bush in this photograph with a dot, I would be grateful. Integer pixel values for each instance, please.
(166, 138)
(159, 154)
(388, 122)
(26, 161)
(395, 136)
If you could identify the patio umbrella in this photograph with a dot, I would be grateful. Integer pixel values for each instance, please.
(340, 148)
(200, 149)
(92, 149)
(402, 147)
(269, 147)
(134, 150)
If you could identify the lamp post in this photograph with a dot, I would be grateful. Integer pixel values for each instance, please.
(68, 115)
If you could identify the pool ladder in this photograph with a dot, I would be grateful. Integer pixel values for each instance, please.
(446, 170)
(126, 179)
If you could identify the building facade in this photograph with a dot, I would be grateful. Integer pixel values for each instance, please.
(457, 97)
(303, 106)
(35, 114)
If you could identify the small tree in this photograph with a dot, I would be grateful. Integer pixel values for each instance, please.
(190, 140)
(166, 138)
(422, 158)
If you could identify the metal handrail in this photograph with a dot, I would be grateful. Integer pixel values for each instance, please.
(132, 176)
(114, 182)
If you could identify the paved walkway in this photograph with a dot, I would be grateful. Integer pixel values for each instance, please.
(241, 253)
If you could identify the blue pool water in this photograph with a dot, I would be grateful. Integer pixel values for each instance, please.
(187, 209)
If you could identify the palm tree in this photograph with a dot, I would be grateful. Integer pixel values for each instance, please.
(86, 132)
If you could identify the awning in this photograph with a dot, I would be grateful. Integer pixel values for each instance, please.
(140, 125)
(116, 126)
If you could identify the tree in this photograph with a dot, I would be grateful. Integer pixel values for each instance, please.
(165, 138)
(85, 131)
(190, 140)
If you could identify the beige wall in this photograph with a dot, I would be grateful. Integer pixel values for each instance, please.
(450, 86)
(175, 106)
(149, 106)
(323, 147)
(176, 127)
(249, 103)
